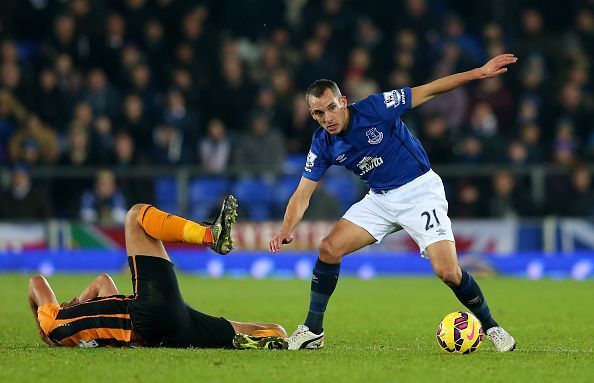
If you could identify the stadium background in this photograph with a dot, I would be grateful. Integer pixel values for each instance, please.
(104, 104)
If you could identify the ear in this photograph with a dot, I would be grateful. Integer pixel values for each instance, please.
(343, 101)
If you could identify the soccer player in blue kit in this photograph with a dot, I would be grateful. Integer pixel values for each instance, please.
(369, 138)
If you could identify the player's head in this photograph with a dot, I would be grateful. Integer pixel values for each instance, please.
(327, 105)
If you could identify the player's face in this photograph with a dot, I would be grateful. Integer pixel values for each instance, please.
(329, 111)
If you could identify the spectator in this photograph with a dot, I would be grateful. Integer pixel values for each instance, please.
(467, 202)
(530, 137)
(23, 200)
(168, 146)
(299, 131)
(100, 95)
(517, 153)
(11, 114)
(135, 121)
(66, 39)
(78, 149)
(436, 140)
(182, 65)
(104, 205)
(215, 148)
(135, 189)
(50, 102)
(453, 108)
(101, 140)
(34, 135)
(564, 145)
(318, 63)
(230, 94)
(250, 159)
(580, 201)
(506, 199)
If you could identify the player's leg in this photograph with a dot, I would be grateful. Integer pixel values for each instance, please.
(166, 227)
(422, 209)
(259, 336)
(345, 238)
(138, 239)
(43, 304)
(158, 310)
(444, 261)
(259, 329)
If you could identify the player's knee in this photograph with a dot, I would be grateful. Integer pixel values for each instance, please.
(132, 215)
(330, 252)
(451, 276)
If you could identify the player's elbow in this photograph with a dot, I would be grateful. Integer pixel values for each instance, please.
(104, 277)
(104, 280)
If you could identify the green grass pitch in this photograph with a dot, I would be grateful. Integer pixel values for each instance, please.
(380, 330)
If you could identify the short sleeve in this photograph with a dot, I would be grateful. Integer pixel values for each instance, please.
(316, 163)
(392, 104)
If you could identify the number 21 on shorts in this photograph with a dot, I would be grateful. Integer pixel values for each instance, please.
(428, 224)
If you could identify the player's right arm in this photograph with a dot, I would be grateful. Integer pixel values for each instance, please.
(295, 209)
(102, 286)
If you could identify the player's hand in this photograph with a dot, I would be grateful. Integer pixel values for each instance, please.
(73, 302)
(279, 240)
(497, 65)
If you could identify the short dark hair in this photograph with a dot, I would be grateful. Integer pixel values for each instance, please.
(318, 87)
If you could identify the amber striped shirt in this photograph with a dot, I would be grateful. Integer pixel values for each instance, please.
(99, 322)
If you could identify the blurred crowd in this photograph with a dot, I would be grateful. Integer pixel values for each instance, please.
(219, 85)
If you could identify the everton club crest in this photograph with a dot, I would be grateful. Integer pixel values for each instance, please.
(373, 136)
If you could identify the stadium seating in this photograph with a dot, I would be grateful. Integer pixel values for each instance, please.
(255, 196)
(205, 195)
(166, 194)
(344, 187)
(283, 190)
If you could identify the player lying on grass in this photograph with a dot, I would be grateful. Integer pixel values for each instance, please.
(370, 139)
(156, 315)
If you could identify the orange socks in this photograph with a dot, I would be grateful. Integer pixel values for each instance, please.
(171, 228)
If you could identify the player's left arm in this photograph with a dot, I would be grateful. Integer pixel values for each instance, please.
(494, 67)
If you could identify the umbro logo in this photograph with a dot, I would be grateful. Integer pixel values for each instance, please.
(441, 231)
(474, 300)
(341, 158)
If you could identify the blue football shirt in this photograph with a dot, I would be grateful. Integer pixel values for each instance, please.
(376, 144)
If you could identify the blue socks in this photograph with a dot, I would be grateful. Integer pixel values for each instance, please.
(323, 283)
(471, 296)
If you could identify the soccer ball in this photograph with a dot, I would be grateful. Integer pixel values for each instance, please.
(460, 332)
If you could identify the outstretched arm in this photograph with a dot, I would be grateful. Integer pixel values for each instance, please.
(295, 210)
(495, 67)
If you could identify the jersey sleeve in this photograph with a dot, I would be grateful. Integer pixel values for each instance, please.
(316, 163)
(392, 104)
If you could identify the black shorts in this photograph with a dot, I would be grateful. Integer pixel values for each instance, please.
(160, 315)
